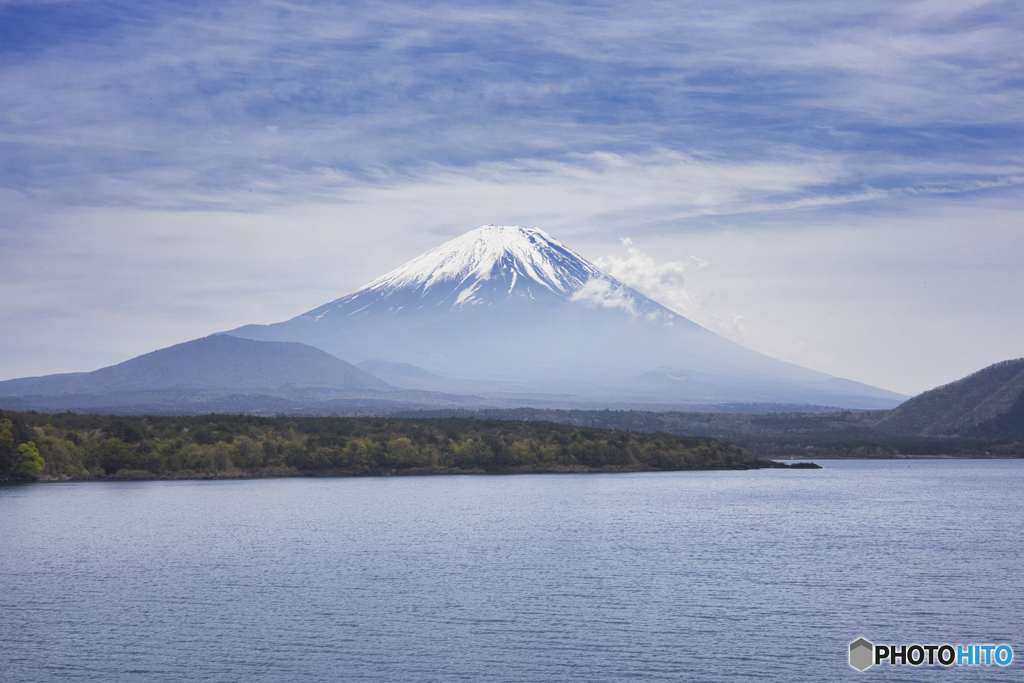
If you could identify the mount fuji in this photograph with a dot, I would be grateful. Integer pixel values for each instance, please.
(514, 312)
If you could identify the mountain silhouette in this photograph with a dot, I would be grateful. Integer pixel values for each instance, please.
(514, 311)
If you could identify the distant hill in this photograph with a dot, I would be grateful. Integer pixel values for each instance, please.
(218, 363)
(987, 404)
(37, 386)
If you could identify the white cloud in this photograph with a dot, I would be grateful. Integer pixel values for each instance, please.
(663, 282)
(598, 293)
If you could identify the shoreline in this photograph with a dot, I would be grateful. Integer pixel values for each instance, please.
(798, 458)
(417, 472)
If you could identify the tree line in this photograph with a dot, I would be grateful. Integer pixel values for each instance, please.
(845, 434)
(34, 445)
(875, 446)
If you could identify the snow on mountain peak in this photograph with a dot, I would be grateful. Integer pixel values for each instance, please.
(490, 265)
(514, 255)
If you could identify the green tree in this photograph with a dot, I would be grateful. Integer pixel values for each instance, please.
(30, 463)
(114, 455)
(8, 453)
(403, 453)
(128, 431)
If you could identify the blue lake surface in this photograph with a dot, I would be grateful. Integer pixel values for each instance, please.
(690, 576)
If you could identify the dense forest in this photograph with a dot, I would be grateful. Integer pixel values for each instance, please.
(846, 434)
(68, 445)
(691, 423)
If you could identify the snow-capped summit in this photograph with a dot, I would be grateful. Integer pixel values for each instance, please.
(513, 305)
(526, 257)
(490, 265)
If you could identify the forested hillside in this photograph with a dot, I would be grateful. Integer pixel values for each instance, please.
(986, 404)
(34, 445)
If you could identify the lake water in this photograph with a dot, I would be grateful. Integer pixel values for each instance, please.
(692, 576)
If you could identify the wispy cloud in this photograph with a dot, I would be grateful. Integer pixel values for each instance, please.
(276, 96)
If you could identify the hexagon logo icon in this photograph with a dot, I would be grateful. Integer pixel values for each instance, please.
(862, 654)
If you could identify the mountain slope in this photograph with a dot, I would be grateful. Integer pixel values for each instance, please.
(512, 305)
(218, 363)
(39, 386)
(986, 404)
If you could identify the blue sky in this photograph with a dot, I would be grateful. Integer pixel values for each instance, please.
(835, 184)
